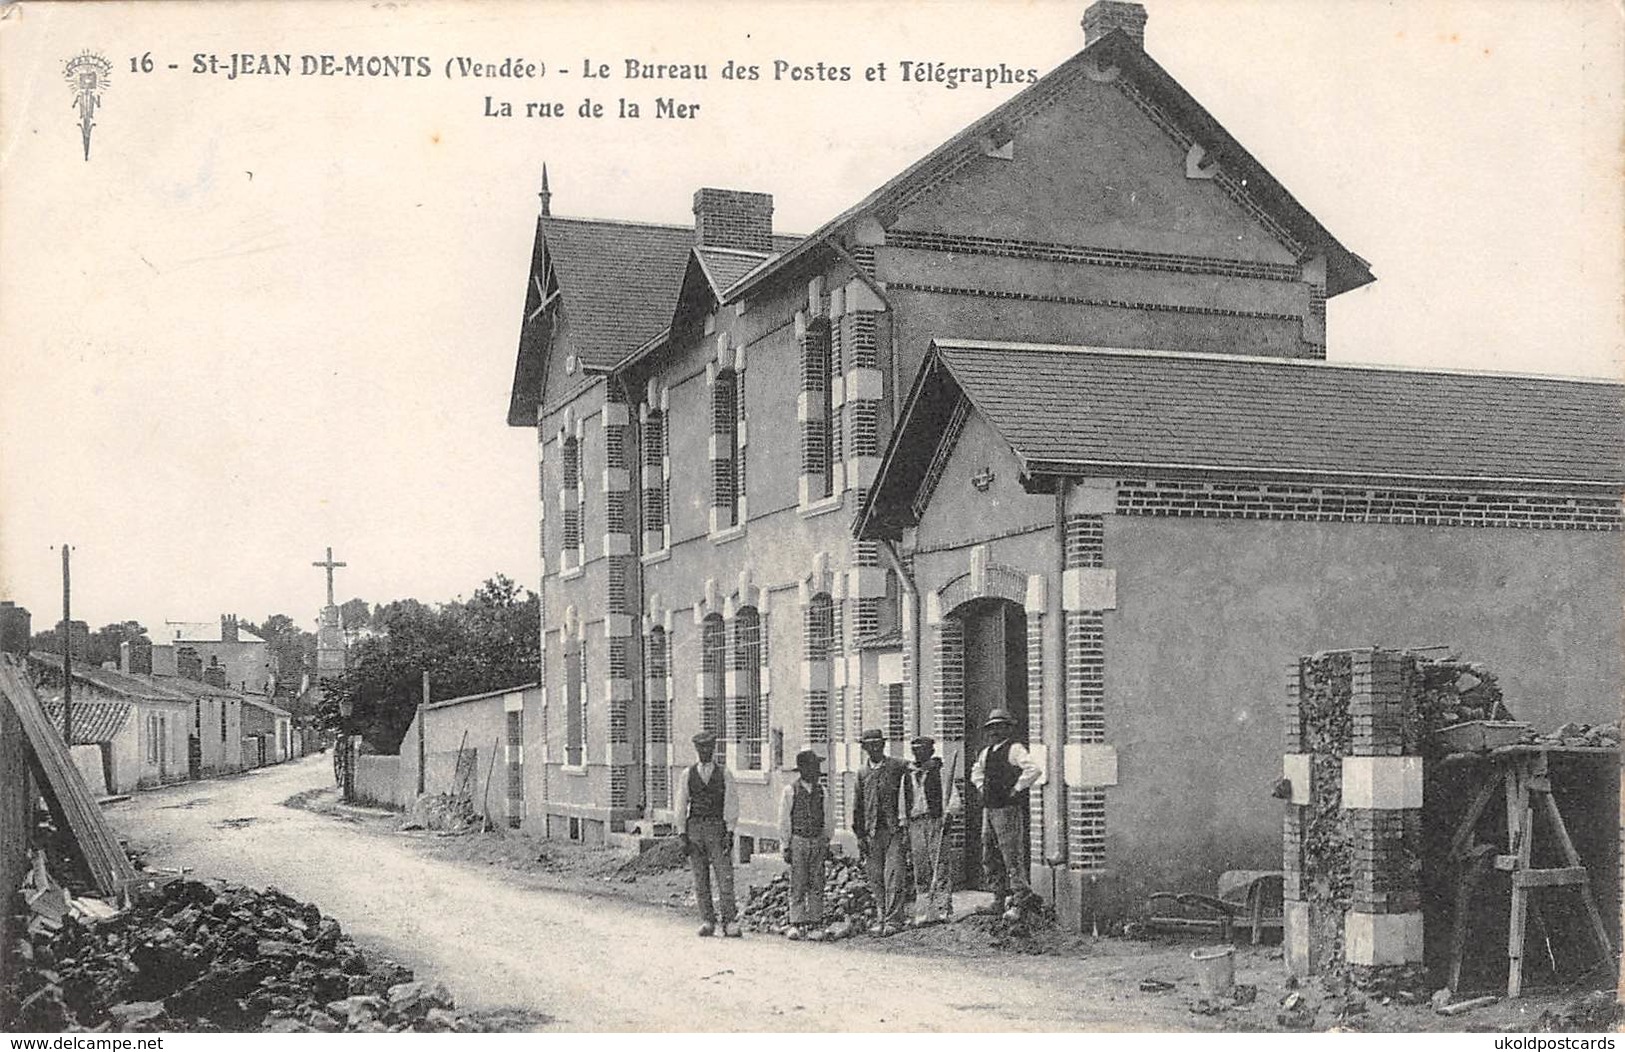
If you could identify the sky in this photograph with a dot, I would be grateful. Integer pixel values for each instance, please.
(273, 314)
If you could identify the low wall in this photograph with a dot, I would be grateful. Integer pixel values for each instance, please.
(377, 781)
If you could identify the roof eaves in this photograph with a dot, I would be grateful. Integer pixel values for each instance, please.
(1073, 468)
(447, 703)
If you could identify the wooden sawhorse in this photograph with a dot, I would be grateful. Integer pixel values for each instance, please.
(1522, 773)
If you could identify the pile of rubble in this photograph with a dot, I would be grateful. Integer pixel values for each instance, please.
(1454, 691)
(444, 812)
(849, 909)
(1581, 735)
(214, 956)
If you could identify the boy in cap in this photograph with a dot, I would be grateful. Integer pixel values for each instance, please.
(1003, 773)
(923, 811)
(881, 839)
(806, 823)
(707, 808)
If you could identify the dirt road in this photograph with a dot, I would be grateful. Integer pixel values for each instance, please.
(598, 963)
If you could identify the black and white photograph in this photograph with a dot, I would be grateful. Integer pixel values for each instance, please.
(773, 516)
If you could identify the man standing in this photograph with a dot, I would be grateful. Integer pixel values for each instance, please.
(881, 840)
(923, 812)
(806, 823)
(707, 808)
(1003, 773)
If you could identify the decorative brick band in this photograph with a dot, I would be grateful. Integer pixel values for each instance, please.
(1055, 252)
(1087, 301)
(1392, 506)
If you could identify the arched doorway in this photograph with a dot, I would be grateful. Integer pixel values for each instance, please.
(995, 677)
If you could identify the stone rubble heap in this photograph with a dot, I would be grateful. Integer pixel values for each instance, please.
(849, 909)
(443, 812)
(1582, 735)
(215, 956)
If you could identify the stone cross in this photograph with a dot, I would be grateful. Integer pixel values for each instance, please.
(331, 566)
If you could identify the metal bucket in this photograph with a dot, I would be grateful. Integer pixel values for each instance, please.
(1215, 970)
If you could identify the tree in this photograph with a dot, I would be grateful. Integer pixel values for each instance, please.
(488, 642)
(105, 642)
(354, 614)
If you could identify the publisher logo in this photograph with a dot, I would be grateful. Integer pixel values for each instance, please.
(88, 74)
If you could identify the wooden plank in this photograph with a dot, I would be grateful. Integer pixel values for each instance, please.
(1549, 878)
(64, 788)
(1464, 832)
(1599, 927)
(1520, 830)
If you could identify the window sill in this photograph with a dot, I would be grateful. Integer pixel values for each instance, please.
(655, 557)
(822, 506)
(751, 777)
(732, 533)
(574, 770)
(570, 573)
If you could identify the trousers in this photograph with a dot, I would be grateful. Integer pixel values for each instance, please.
(930, 867)
(883, 868)
(1004, 859)
(807, 879)
(708, 854)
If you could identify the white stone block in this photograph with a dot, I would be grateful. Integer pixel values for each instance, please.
(1385, 783)
(890, 667)
(617, 544)
(861, 471)
(1088, 764)
(1382, 938)
(618, 626)
(513, 701)
(617, 480)
(866, 582)
(1092, 497)
(1295, 937)
(1295, 768)
(867, 385)
(860, 297)
(1089, 588)
(1037, 594)
(616, 414)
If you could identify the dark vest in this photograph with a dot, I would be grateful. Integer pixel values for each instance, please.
(705, 798)
(999, 778)
(807, 814)
(933, 790)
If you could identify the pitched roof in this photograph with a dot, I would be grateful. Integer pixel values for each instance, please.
(264, 706)
(1345, 270)
(618, 281)
(142, 688)
(94, 722)
(200, 632)
(447, 703)
(194, 688)
(1078, 410)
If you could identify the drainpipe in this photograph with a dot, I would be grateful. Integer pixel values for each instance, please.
(911, 626)
(880, 294)
(1055, 644)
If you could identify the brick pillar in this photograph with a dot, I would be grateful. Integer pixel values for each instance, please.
(1037, 598)
(620, 513)
(1353, 817)
(1087, 592)
(862, 384)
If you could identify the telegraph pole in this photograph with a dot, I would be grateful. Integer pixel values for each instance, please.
(67, 655)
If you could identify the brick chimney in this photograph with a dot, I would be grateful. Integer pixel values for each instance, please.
(228, 628)
(1103, 16)
(733, 219)
(215, 674)
(188, 663)
(135, 655)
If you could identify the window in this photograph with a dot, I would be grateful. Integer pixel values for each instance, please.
(152, 737)
(656, 491)
(222, 721)
(570, 500)
(818, 411)
(896, 718)
(714, 677)
(659, 715)
(727, 464)
(747, 670)
(575, 695)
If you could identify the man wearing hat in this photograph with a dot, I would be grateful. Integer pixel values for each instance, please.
(1003, 773)
(922, 809)
(881, 838)
(806, 823)
(707, 808)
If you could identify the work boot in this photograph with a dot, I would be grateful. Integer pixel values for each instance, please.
(731, 930)
(708, 928)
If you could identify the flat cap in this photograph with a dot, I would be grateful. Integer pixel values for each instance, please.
(923, 739)
(809, 758)
(872, 735)
(705, 738)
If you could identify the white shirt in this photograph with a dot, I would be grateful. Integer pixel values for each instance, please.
(730, 795)
(1031, 774)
